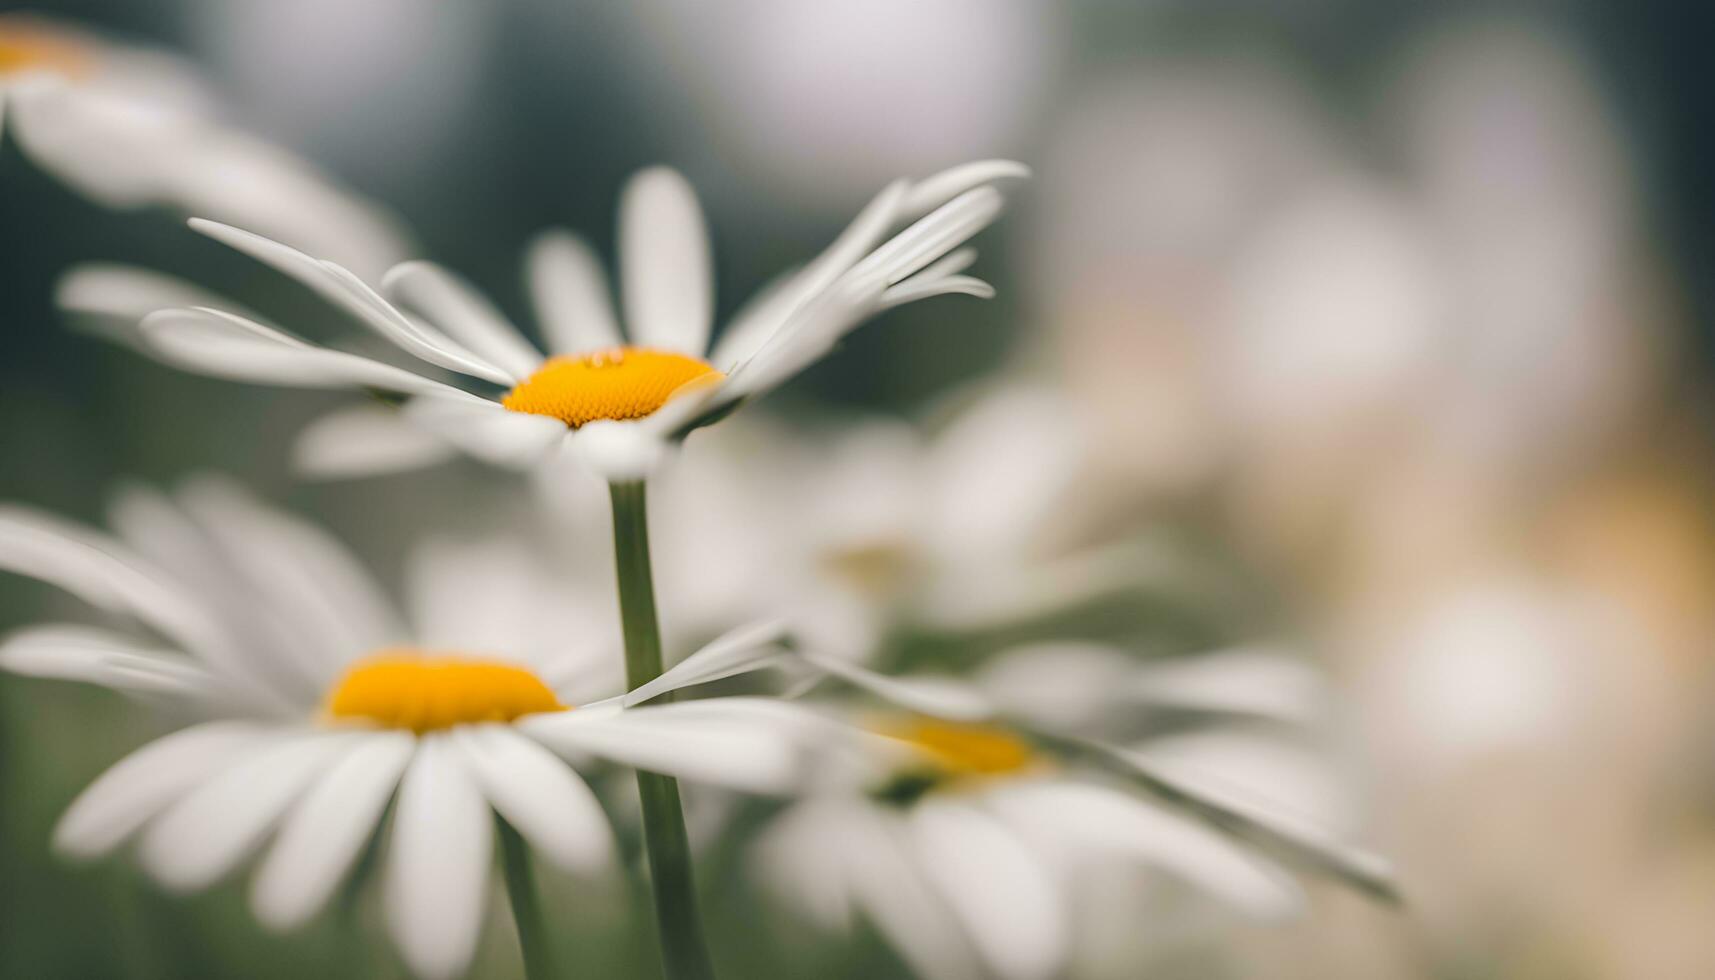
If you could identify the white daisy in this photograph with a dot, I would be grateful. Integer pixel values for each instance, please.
(129, 127)
(620, 400)
(966, 825)
(325, 707)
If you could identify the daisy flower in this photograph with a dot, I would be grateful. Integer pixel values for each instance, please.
(128, 127)
(969, 819)
(322, 707)
(619, 399)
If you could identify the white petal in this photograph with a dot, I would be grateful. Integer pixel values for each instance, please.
(747, 648)
(1065, 686)
(450, 303)
(204, 835)
(540, 796)
(487, 431)
(759, 745)
(941, 697)
(111, 300)
(923, 286)
(1253, 681)
(808, 334)
(570, 293)
(438, 869)
(800, 855)
(932, 192)
(221, 344)
(1011, 905)
(1254, 771)
(621, 452)
(129, 794)
(340, 287)
(327, 830)
(82, 653)
(665, 272)
(1100, 821)
(888, 882)
(933, 236)
(365, 441)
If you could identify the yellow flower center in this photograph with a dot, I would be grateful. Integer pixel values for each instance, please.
(408, 689)
(621, 383)
(26, 43)
(955, 749)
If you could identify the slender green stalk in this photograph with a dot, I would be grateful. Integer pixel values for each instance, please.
(684, 953)
(526, 910)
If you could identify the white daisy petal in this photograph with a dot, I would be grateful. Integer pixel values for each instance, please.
(94, 656)
(933, 236)
(450, 303)
(665, 274)
(570, 293)
(539, 795)
(110, 300)
(807, 335)
(793, 857)
(922, 286)
(1250, 681)
(328, 829)
(621, 452)
(135, 789)
(486, 430)
(932, 192)
(438, 868)
(889, 885)
(1102, 822)
(365, 441)
(941, 697)
(204, 835)
(1010, 904)
(213, 342)
(747, 648)
(339, 286)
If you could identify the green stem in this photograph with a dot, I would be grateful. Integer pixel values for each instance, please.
(526, 910)
(684, 953)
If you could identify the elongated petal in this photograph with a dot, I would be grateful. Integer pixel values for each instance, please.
(1249, 681)
(438, 869)
(934, 191)
(570, 293)
(540, 796)
(941, 697)
(665, 272)
(934, 235)
(368, 440)
(327, 830)
(895, 895)
(135, 789)
(1010, 904)
(487, 431)
(747, 648)
(111, 300)
(447, 301)
(624, 451)
(345, 290)
(204, 835)
(82, 653)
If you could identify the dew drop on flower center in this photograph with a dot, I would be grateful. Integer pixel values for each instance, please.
(616, 384)
(410, 690)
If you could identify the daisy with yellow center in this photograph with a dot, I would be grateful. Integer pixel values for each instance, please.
(329, 709)
(618, 398)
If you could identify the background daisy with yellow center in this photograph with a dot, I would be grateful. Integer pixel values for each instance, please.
(324, 708)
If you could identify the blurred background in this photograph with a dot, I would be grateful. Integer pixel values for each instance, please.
(1400, 312)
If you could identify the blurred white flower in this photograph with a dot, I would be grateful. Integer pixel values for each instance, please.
(618, 402)
(327, 707)
(131, 127)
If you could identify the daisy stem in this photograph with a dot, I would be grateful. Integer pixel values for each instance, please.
(684, 953)
(526, 910)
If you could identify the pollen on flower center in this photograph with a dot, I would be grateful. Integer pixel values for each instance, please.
(620, 383)
(410, 690)
(954, 749)
(26, 44)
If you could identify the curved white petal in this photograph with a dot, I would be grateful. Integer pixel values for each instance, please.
(95, 656)
(665, 273)
(438, 868)
(934, 235)
(1252, 681)
(540, 796)
(487, 431)
(365, 441)
(800, 855)
(570, 294)
(1101, 823)
(110, 300)
(204, 835)
(941, 697)
(327, 830)
(932, 192)
(621, 452)
(1011, 905)
(808, 334)
(345, 290)
(447, 301)
(744, 649)
(135, 789)
(888, 883)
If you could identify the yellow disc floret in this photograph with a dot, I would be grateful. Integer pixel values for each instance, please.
(26, 44)
(955, 749)
(410, 690)
(621, 383)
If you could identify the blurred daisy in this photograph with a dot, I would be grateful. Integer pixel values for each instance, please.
(130, 127)
(326, 707)
(617, 399)
(969, 816)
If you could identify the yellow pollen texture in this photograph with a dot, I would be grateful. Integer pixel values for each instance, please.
(409, 690)
(957, 749)
(26, 44)
(621, 383)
